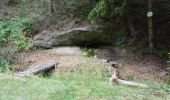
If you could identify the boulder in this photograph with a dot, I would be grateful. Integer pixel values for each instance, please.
(80, 36)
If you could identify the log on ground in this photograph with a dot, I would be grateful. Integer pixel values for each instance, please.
(33, 70)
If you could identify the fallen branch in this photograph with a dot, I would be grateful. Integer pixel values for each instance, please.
(33, 70)
(115, 79)
(130, 83)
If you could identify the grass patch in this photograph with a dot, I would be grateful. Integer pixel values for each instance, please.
(4, 66)
(88, 81)
(73, 87)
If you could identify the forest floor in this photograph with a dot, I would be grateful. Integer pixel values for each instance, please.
(81, 77)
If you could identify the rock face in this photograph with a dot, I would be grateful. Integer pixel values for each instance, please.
(81, 36)
(65, 50)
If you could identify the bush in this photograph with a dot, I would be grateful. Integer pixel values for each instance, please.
(13, 39)
(13, 32)
(4, 66)
(87, 52)
(100, 11)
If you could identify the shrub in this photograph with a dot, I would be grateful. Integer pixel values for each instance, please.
(87, 52)
(13, 32)
(100, 11)
(4, 66)
(13, 39)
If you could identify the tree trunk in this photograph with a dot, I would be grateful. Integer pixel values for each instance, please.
(150, 25)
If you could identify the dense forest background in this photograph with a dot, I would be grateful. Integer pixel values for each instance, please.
(129, 16)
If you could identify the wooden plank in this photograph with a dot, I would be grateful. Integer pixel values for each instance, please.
(36, 69)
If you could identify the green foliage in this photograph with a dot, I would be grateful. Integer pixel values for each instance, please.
(85, 81)
(105, 9)
(78, 8)
(4, 66)
(29, 8)
(13, 32)
(100, 11)
(86, 52)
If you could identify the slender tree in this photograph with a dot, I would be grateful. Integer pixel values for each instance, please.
(150, 24)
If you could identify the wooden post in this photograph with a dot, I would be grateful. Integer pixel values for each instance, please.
(150, 24)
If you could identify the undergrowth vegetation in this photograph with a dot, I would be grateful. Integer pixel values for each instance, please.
(5, 66)
(142, 49)
(13, 32)
(100, 11)
(87, 52)
(13, 39)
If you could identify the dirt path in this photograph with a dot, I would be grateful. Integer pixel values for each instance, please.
(130, 67)
(67, 57)
(149, 67)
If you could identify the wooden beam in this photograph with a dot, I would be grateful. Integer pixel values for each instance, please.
(115, 79)
(33, 70)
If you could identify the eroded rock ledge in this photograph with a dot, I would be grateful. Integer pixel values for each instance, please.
(80, 36)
